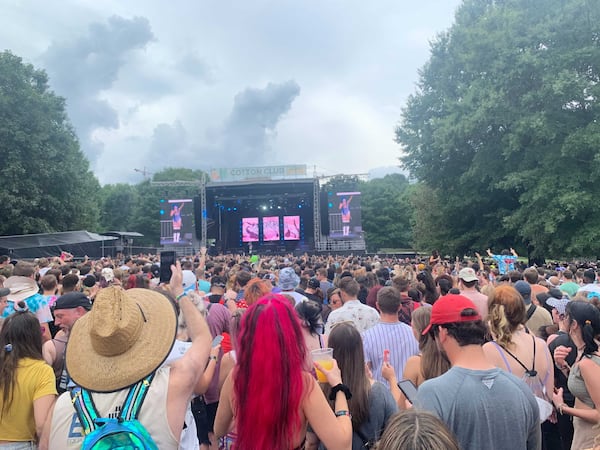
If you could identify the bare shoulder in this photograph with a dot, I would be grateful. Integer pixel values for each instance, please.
(588, 365)
(492, 353)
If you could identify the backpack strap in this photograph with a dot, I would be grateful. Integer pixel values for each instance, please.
(135, 398)
(530, 311)
(85, 409)
(88, 414)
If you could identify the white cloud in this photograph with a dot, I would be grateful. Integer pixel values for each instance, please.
(210, 84)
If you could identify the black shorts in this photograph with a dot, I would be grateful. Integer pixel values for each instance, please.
(204, 415)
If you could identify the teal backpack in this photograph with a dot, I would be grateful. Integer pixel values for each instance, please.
(122, 433)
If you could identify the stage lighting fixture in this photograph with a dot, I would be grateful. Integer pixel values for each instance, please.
(264, 207)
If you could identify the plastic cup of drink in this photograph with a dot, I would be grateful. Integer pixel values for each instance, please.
(323, 356)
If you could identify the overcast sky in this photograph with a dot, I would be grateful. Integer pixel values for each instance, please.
(204, 84)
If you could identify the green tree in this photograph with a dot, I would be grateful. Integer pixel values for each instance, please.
(386, 212)
(118, 201)
(178, 174)
(504, 127)
(47, 184)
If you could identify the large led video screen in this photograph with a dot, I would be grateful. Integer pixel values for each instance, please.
(270, 228)
(177, 222)
(344, 215)
(291, 228)
(250, 229)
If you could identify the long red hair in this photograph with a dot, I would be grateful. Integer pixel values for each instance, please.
(268, 379)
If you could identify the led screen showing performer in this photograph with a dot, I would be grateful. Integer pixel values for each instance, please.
(250, 229)
(291, 228)
(270, 228)
(177, 222)
(344, 216)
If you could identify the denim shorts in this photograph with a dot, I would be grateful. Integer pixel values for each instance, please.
(25, 445)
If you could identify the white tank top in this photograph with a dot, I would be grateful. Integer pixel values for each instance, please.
(66, 433)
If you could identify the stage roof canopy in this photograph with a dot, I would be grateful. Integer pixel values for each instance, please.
(79, 243)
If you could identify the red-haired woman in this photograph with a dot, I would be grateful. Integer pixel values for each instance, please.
(269, 399)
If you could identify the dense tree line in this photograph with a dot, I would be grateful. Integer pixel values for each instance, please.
(46, 181)
(503, 133)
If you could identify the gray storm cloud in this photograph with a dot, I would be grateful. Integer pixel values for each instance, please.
(243, 139)
(253, 119)
(81, 68)
(169, 147)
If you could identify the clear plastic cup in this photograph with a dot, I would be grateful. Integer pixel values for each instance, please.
(323, 356)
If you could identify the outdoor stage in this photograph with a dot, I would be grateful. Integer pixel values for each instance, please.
(265, 210)
(276, 216)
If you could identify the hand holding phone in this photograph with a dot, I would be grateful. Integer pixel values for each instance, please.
(166, 260)
(408, 389)
(217, 340)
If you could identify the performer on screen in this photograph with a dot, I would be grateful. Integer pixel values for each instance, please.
(251, 231)
(271, 231)
(346, 215)
(291, 230)
(177, 221)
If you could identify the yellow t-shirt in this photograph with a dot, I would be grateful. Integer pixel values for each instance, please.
(35, 379)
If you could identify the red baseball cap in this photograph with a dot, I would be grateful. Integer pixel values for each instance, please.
(448, 309)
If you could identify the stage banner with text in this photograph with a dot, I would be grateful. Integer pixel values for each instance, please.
(258, 173)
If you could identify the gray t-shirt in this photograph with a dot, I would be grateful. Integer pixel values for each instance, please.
(381, 407)
(485, 409)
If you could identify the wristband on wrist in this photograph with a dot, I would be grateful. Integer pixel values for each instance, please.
(340, 387)
(214, 358)
(180, 296)
(343, 412)
(560, 408)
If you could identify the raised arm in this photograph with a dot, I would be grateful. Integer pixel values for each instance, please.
(590, 372)
(209, 372)
(186, 371)
(388, 372)
(479, 261)
(333, 429)
(200, 271)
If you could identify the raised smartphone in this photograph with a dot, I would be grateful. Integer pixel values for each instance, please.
(408, 389)
(166, 260)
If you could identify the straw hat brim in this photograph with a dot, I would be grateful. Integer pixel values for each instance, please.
(100, 373)
(21, 288)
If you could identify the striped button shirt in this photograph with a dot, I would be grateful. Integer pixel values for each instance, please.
(396, 337)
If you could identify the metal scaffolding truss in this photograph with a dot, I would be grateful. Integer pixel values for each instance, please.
(316, 212)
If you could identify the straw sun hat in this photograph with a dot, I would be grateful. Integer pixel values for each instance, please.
(125, 337)
(20, 288)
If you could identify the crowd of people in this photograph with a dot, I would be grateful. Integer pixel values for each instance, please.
(427, 353)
